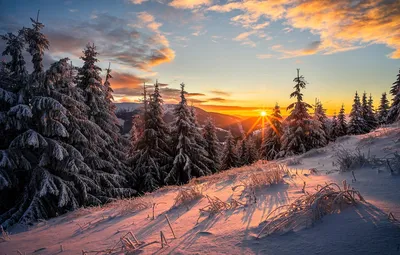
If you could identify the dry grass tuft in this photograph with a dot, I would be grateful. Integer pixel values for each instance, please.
(188, 194)
(260, 178)
(4, 235)
(348, 160)
(126, 206)
(310, 208)
(216, 206)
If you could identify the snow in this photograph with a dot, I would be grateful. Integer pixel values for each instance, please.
(364, 229)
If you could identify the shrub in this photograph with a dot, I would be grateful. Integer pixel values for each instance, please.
(310, 208)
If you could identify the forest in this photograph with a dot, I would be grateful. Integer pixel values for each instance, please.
(61, 146)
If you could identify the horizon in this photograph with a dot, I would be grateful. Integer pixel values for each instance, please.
(235, 58)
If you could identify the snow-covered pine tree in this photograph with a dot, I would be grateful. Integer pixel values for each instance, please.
(271, 144)
(394, 111)
(108, 90)
(133, 137)
(230, 158)
(242, 152)
(86, 137)
(333, 132)
(252, 154)
(13, 89)
(383, 109)
(37, 44)
(357, 124)
(152, 159)
(212, 145)
(319, 131)
(191, 159)
(370, 118)
(342, 124)
(114, 147)
(38, 156)
(296, 138)
(368, 112)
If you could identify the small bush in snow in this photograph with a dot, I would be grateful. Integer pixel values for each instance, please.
(131, 205)
(310, 208)
(294, 161)
(348, 160)
(188, 194)
(314, 153)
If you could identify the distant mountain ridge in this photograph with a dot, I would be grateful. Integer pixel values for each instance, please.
(223, 122)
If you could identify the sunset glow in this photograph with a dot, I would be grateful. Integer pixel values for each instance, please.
(233, 56)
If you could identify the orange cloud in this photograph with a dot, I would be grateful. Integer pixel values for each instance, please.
(189, 4)
(341, 24)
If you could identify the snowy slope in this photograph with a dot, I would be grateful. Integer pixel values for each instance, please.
(364, 229)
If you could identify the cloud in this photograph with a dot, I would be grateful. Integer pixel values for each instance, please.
(310, 49)
(73, 10)
(217, 99)
(264, 56)
(198, 30)
(116, 41)
(342, 25)
(137, 1)
(220, 92)
(189, 4)
(121, 80)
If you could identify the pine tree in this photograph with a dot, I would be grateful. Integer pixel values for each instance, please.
(212, 145)
(357, 123)
(342, 124)
(108, 90)
(296, 138)
(191, 159)
(394, 111)
(333, 133)
(133, 137)
(271, 144)
(368, 112)
(242, 152)
(229, 155)
(37, 44)
(152, 159)
(383, 109)
(100, 111)
(50, 155)
(252, 155)
(370, 116)
(319, 130)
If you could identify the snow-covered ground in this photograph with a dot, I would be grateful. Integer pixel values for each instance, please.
(363, 229)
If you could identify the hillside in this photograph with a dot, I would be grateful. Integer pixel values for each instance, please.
(361, 229)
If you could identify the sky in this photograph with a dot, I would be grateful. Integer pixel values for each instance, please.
(235, 57)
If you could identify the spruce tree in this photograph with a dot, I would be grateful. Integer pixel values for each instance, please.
(333, 133)
(191, 159)
(229, 155)
(212, 145)
(394, 111)
(371, 116)
(342, 124)
(252, 154)
(383, 109)
(319, 130)
(296, 138)
(50, 156)
(357, 124)
(152, 159)
(100, 111)
(271, 144)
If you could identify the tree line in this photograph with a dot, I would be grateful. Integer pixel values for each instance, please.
(61, 147)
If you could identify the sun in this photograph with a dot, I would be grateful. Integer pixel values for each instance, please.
(263, 113)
